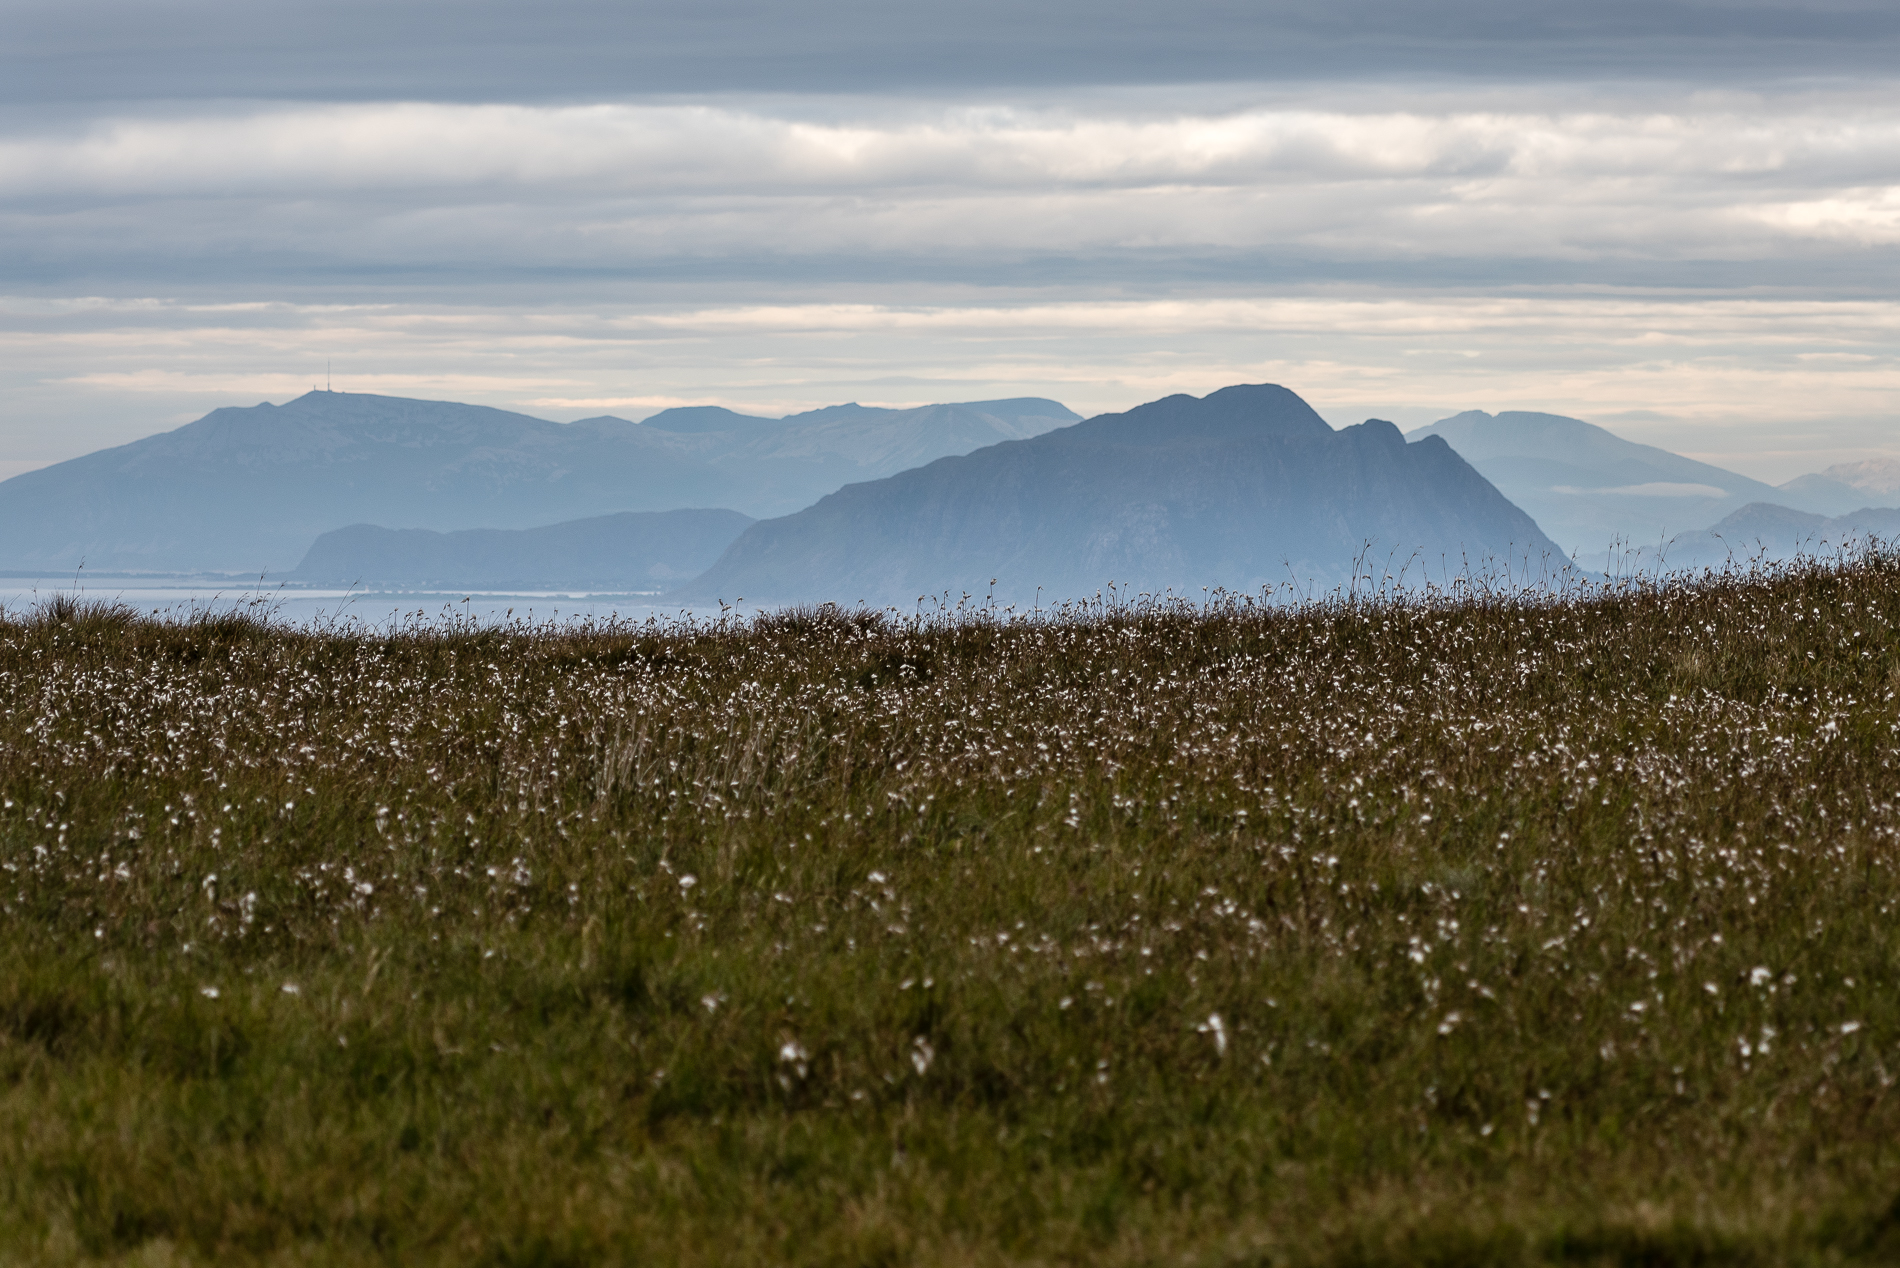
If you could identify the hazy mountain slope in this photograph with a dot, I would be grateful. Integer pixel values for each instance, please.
(634, 550)
(774, 466)
(1819, 493)
(251, 489)
(699, 420)
(1244, 488)
(1846, 486)
(1768, 532)
(1877, 476)
(884, 442)
(1587, 487)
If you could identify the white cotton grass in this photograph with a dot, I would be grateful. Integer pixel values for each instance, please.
(922, 1054)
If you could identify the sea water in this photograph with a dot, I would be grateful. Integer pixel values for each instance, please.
(180, 598)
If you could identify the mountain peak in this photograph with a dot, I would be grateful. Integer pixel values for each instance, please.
(850, 410)
(1245, 488)
(1379, 430)
(696, 419)
(1869, 475)
(1245, 411)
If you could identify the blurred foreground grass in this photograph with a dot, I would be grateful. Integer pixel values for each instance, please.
(1460, 932)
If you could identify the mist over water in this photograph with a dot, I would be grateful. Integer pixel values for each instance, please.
(324, 608)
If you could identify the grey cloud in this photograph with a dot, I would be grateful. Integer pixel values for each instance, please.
(573, 208)
(1741, 193)
(490, 50)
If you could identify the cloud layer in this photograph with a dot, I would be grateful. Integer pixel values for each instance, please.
(498, 189)
(1614, 210)
(493, 50)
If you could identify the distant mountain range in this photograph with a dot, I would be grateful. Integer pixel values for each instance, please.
(1592, 490)
(632, 551)
(251, 489)
(1846, 486)
(1587, 487)
(1770, 533)
(1245, 488)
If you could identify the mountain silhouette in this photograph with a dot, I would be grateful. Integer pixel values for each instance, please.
(1245, 488)
(1846, 486)
(1770, 533)
(631, 551)
(250, 489)
(1589, 488)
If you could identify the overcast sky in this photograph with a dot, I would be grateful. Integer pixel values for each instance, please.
(1681, 220)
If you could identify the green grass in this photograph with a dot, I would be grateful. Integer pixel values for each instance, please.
(1453, 932)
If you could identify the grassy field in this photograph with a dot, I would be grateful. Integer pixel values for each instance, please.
(1454, 932)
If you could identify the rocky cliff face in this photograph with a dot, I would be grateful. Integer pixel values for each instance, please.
(1245, 488)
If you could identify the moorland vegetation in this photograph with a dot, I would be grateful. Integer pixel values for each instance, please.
(1460, 928)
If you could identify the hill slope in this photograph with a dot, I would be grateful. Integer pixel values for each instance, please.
(251, 489)
(1765, 531)
(634, 550)
(1846, 486)
(1587, 487)
(1245, 488)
